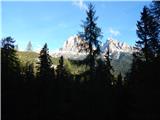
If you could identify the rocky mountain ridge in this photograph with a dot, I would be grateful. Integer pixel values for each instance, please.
(71, 48)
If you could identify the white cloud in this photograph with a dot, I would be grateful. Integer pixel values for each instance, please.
(80, 4)
(114, 32)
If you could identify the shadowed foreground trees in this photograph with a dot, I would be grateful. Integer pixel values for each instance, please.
(91, 38)
(11, 79)
(143, 82)
(44, 69)
(54, 93)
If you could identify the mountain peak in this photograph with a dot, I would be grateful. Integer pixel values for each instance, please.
(116, 46)
(71, 48)
(120, 52)
(71, 44)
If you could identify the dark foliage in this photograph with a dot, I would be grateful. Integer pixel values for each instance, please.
(144, 78)
(54, 93)
(90, 36)
(44, 68)
(10, 79)
(147, 32)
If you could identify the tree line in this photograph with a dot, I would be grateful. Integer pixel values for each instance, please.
(55, 93)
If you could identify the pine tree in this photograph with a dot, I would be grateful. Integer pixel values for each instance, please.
(10, 63)
(63, 83)
(148, 36)
(119, 80)
(155, 11)
(10, 79)
(29, 72)
(144, 76)
(103, 86)
(147, 49)
(45, 76)
(61, 72)
(90, 36)
(29, 46)
(44, 68)
(109, 69)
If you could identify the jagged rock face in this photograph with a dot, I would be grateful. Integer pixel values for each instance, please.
(120, 53)
(71, 48)
(116, 46)
(72, 44)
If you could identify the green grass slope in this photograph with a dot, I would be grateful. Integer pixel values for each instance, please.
(121, 65)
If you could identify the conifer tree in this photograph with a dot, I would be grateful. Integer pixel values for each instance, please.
(29, 46)
(148, 49)
(108, 69)
(10, 63)
(44, 68)
(90, 35)
(10, 79)
(144, 76)
(119, 80)
(148, 36)
(29, 72)
(61, 72)
(155, 11)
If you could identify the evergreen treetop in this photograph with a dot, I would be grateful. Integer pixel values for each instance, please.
(44, 68)
(90, 35)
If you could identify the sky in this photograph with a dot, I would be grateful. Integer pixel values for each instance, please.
(53, 22)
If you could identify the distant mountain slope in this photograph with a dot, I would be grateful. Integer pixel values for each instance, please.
(120, 52)
(32, 57)
(71, 48)
(116, 46)
(27, 56)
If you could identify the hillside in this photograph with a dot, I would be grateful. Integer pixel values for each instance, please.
(119, 65)
(32, 57)
(120, 52)
(27, 56)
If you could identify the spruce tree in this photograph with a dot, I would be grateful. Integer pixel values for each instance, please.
(10, 63)
(104, 70)
(109, 69)
(61, 72)
(44, 68)
(29, 72)
(45, 79)
(119, 80)
(144, 77)
(148, 36)
(29, 46)
(155, 11)
(10, 79)
(90, 35)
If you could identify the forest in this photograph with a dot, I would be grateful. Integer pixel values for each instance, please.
(57, 94)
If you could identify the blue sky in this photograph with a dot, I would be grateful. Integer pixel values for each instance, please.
(53, 22)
